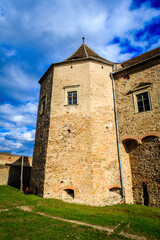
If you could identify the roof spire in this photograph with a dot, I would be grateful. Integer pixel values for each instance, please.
(83, 38)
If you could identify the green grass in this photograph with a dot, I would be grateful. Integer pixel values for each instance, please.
(144, 221)
(23, 225)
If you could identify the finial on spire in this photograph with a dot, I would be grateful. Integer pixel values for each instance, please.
(83, 38)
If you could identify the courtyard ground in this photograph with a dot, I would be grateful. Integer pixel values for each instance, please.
(31, 217)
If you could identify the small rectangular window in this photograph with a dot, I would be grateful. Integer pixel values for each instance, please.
(72, 97)
(143, 102)
(43, 105)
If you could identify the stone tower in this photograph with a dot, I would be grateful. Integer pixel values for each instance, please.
(75, 153)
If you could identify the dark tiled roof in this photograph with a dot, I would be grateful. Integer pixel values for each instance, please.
(141, 58)
(85, 52)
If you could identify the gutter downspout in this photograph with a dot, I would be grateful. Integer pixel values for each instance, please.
(119, 155)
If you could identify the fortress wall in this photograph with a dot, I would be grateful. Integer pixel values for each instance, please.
(82, 151)
(129, 122)
(41, 138)
(7, 158)
(134, 127)
(10, 175)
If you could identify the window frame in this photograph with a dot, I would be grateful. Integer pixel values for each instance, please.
(138, 92)
(72, 97)
(71, 89)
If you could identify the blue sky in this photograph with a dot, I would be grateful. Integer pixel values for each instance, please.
(34, 34)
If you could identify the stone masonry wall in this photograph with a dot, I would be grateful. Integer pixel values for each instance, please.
(4, 173)
(137, 125)
(82, 150)
(10, 175)
(129, 122)
(7, 158)
(145, 162)
(41, 139)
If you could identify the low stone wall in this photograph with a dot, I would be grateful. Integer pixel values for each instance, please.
(4, 173)
(10, 175)
(7, 158)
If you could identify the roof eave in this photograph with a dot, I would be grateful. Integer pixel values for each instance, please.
(73, 61)
(134, 65)
(85, 59)
(46, 73)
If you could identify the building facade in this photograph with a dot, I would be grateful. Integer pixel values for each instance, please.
(81, 153)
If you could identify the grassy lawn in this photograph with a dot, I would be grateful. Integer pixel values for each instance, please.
(17, 224)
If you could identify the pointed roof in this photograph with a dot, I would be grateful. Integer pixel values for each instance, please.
(84, 52)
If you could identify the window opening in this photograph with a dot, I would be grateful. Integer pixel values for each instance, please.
(116, 190)
(72, 98)
(145, 194)
(143, 102)
(43, 105)
(70, 192)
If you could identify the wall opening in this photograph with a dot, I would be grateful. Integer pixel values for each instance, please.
(70, 193)
(36, 191)
(145, 194)
(116, 190)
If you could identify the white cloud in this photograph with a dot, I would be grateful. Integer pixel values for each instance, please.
(36, 33)
(18, 77)
(17, 139)
(114, 50)
(17, 118)
(55, 26)
(11, 146)
(28, 136)
(23, 115)
(18, 127)
(126, 21)
(21, 135)
(17, 84)
(72, 18)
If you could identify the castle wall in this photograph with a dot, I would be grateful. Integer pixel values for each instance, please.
(145, 162)
(131, 123)
(10, 175)
(82, 152)
(4, 173)
(137, 125)
(10, 170)
(7, 158)
(41, 139)
(75, 153)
